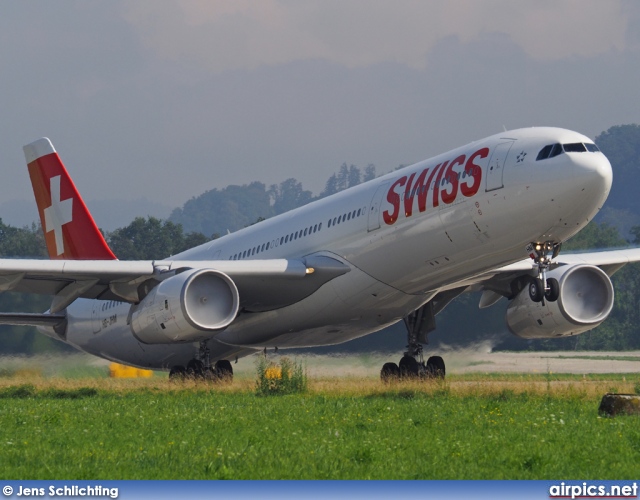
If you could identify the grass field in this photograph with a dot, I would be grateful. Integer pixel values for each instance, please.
(473, 426)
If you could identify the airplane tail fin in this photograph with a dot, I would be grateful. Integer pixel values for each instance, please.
(69, 229)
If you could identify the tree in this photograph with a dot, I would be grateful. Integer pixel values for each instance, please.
(22, 242)
(331, 187)
(621, 145)
(353, 179)
(151, 238)
(595, 236)
(289, 195)
(369, 173)
(220, 210)
(343, 177)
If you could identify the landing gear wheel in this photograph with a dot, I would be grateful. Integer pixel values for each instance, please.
(435, 367)
(195, 369)
(210, 374)
(177, 372)
(409, 367)
(224, 370)
(389, 372)
(536, 290)
(553, 290)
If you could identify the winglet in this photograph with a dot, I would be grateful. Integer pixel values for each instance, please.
(69, 230)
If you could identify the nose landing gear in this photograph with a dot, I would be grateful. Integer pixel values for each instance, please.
(542, 288)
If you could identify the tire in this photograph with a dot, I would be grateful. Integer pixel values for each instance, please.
(389, 372)
(224, 370)
(536, 290)
(195, 368)
(177, 373)
(409, 367)
(553, 292)
(435, 367)
(210, 374)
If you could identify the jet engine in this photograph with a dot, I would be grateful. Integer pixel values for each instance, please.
(585, 301)
(188, 307)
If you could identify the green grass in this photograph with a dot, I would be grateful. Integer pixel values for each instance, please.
(479, 429)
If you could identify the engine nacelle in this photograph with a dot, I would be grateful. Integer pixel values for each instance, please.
(188, 307)
(585, 301)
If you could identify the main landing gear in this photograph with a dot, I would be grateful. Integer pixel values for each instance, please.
(412, 365)
(200, 368)
(541, 287)
(412, 368)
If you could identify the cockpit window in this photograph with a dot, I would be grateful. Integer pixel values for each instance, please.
(552, 150)
(544, 153)
(549, 151)
(555, 150)
(574, 147)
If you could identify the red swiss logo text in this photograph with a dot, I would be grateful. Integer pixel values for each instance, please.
(446, 181)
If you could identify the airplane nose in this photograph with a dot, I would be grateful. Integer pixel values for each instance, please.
(595, 173)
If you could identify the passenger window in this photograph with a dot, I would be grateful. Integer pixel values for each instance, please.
(305, 232)
(555, 150)
(359, 212)
(576, 147)
(319, 226)
(315, 228)
(544, 153)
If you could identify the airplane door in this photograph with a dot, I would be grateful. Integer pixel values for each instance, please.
(374, 211)
(496, 165)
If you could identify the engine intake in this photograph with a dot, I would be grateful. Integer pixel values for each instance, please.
(188, 307)
(585, 301)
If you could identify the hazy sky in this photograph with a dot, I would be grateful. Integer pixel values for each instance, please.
(164, 99)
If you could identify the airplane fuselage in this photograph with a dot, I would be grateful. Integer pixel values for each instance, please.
(406, 236)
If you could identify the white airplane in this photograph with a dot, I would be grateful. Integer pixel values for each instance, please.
(488, 216)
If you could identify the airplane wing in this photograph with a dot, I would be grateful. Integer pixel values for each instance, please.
(32, 319)
(498, 283)
(609, 261)
(262, 284)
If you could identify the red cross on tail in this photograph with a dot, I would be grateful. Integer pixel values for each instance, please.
(69, 230)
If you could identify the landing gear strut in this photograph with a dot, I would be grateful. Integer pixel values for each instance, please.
(412, 365)
(541, 287)
(199, 368)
